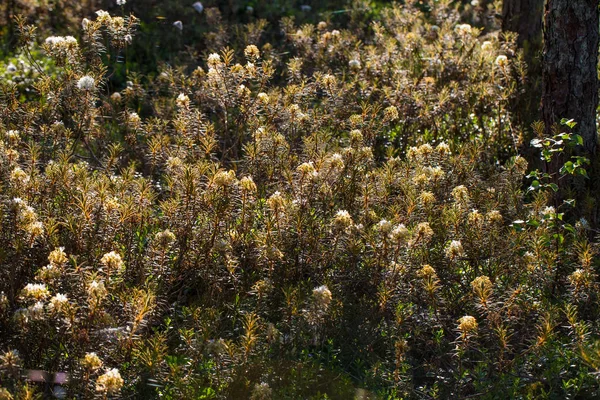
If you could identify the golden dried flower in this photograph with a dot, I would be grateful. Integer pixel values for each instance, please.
(322, 297)
(239, 68)
(435, 173)
(19, 176)
(13, 136)
(58, 302)
(110, 382)
(247, 184)
(494, 217)
(36, 311)
(463, 29)
(520, 165)
(10, 360)
(487, 46)
(263, 98)
(427, 198)
(48, 273)
(112, 261)
(307, 169)
(443, 149)
(134, 119)
(502, 61)
(580, 278)
(427, 271)
(164, 238)
(295, 111)
(384, 226)
(328, 80)
(96, 290)
(261, 391)
(37, 291)
(183, 100)
(390, 114)
(224, 178)
(454, 249)
(356, 138)
(467, 324)
(91, 361)
(461, 195)
(475, 219)
(276, 202)
(103, 16)
(355, 120)
(252, 52)
(425, 150)
(336, 161)
(342, 220)
(35, 228)
(214, 60)
(58, 256)
(482, 287)
(400, 233)
(422, 234)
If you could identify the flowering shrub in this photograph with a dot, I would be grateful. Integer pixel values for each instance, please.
(342, 216)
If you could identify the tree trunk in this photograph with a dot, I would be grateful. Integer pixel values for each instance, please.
(10, 34)
(569, 72)
(523, 17)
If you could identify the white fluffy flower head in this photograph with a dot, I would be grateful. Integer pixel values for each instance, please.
(86, 83)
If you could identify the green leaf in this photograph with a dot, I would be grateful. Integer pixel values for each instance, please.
(568, 122)
(583, 172)
(536, 143)
(567, 168)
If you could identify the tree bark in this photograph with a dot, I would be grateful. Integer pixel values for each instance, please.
(10, 34)
(570, 67)
(523, 17)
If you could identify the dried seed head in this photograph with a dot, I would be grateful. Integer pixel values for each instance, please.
(58, 256)
(91, 361)
(502, 61)
(37, 291)
(112, 261)
(342, 220)
(214, 60)
(251, 52)
(454, 250)
(322, 297)
(58, 303)
(482, 288)
(390, 114)
(247, 184)
(467, 324)
(110, 382)
(164, 238)
(86, 83)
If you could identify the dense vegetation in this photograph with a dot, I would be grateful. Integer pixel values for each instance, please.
(327, 203)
